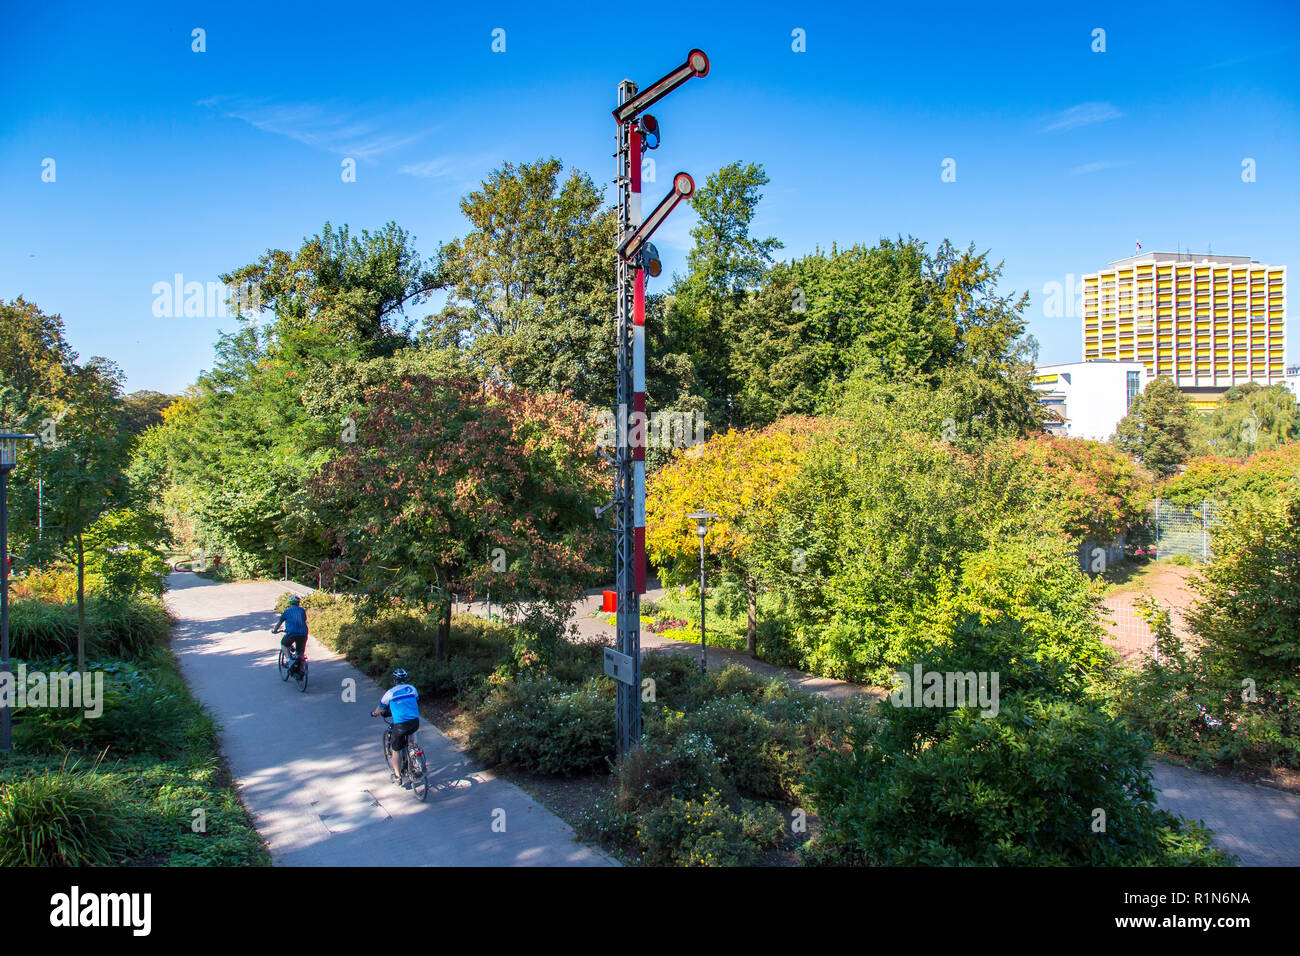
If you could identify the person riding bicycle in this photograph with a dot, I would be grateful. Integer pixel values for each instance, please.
(401, 702)
(294, 621)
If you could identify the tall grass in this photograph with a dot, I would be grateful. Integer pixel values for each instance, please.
(129, 628)
(61, 818)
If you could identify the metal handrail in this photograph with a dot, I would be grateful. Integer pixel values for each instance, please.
(315, 567)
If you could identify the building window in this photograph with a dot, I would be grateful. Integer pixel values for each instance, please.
(1134, 386)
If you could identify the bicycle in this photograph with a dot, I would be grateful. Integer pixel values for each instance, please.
(414, 769)
(297, 669)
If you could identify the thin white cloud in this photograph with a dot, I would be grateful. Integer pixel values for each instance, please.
(429, 169)
(338, 131)
(1096, 167)
(1084, 114)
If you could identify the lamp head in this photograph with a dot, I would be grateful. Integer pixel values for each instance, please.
(9, 448)
(701, 519)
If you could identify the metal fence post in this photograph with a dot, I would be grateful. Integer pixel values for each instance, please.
(1205, 517)
(1157, 523)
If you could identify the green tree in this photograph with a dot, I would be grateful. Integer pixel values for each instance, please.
(1156, 430)
(35, 361)
(143, 409)
(340, 295)
(532, 284)
(1249, 418)
(80, 465)
(232, 461)
(725, 262)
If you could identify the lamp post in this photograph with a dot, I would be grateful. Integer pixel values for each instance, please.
(701, 519)
(8, 458)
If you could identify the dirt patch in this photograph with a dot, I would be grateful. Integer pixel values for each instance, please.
(1128, 630)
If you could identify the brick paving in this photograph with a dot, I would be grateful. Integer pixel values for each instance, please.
(1259, 824)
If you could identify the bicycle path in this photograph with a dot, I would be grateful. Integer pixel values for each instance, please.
(309, 766)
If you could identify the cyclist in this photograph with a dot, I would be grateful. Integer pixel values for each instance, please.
(294, 621)
(401, 702)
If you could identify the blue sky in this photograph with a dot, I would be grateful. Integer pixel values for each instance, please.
(168, 161)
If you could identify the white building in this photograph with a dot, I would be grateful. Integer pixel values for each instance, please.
(1293, 379)
(1089, 397)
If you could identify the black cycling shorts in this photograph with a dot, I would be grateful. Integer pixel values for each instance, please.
(297, 643)
(402, 731)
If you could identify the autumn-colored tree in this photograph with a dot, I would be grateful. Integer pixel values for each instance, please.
(1084, 488)
(737, 475)
(453, 488)
(1269, 474)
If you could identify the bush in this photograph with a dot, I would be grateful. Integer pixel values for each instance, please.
(60, 818)
(880, 518)
(381, 640)
(144, 711)
(676, 762)
(673, 804)
(1194, 713)
(762, 756)
(705, 832)
(540, 724)
(917, 786)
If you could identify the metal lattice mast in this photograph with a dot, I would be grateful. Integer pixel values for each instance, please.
(628, 641)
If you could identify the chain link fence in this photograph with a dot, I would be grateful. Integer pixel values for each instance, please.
(1172, 529)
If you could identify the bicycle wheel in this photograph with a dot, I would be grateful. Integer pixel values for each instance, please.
(284, 664)
(300, 675)
(417, 770)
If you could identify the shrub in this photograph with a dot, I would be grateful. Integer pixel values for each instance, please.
(144, 711)
(762, 756)
(917, 786)
(704, 832)
(540, 724)
(675, 762)
(380, 640)
(60, 818)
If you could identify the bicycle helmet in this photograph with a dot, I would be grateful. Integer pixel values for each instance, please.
(399, 676)
(294, 599)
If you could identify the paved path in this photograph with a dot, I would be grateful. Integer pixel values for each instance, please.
(1259, 824)
(309, 766)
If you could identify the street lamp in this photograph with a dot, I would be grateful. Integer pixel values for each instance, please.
(8, 458)
(701, 519)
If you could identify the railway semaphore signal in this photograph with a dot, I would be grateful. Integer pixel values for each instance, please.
(637, 131)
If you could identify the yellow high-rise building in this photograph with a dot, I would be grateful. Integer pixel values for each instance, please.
(1208, 322)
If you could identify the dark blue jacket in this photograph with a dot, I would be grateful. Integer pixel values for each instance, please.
(294, 620)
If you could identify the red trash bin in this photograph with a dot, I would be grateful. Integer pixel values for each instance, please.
(611, 602)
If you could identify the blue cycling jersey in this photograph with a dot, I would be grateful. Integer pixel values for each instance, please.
(294, 620)
(403, 703)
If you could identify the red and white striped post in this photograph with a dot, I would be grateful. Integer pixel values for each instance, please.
(639, 415)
